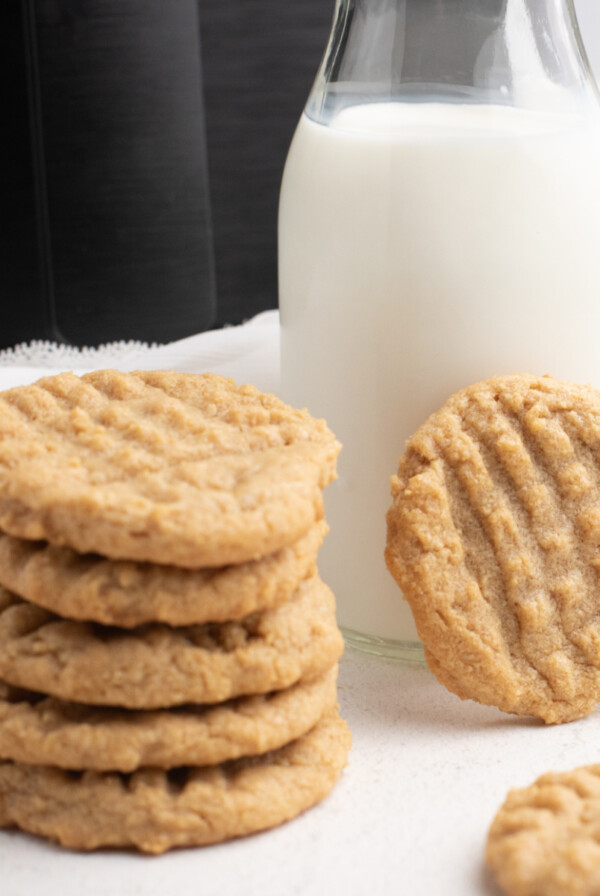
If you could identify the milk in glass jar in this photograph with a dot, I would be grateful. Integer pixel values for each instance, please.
(439, 224)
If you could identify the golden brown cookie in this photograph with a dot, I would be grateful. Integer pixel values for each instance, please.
(493, 537)
(153, 810)
(154, 666)
(173, 468)
(545, 839)
(44, 731)
(127, 594)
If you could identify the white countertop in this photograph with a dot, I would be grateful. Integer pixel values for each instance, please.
(409, 816)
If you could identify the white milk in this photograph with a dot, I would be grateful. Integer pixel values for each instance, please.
(419, 253)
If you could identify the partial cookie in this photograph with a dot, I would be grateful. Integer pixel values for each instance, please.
(45, 731)
(493, 537)
(155, 811)
(154, 666)
(173, 468)
(126, 593)
(546, 838)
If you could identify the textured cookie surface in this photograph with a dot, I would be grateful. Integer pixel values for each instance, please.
(545, 839)
(155, 666)
(174, 468)
(45, 731)
(126, 593)
(154, 810)
(493, 536)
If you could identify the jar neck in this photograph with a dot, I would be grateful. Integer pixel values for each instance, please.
(525, 53)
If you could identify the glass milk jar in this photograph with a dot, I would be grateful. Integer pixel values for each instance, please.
(439, 223)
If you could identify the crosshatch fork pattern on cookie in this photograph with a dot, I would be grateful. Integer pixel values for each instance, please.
(493, 536)
(173, 468)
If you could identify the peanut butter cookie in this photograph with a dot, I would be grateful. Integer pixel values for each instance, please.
(41, 730)
(493, 537)
(545, 838)
(175, 468)
(126, 594)
(153, 810)
(154, 666)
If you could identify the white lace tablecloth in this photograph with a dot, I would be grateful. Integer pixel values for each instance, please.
(249, 353)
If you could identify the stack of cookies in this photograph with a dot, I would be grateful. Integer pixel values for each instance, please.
(168, 653)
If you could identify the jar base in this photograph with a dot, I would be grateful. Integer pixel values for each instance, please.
(387, 648)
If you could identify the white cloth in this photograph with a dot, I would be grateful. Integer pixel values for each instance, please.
(249, 353)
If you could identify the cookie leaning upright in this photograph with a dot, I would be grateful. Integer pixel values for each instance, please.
(493, 536)
(185, 469)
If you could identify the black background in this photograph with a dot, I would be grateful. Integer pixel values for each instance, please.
(144, 144)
